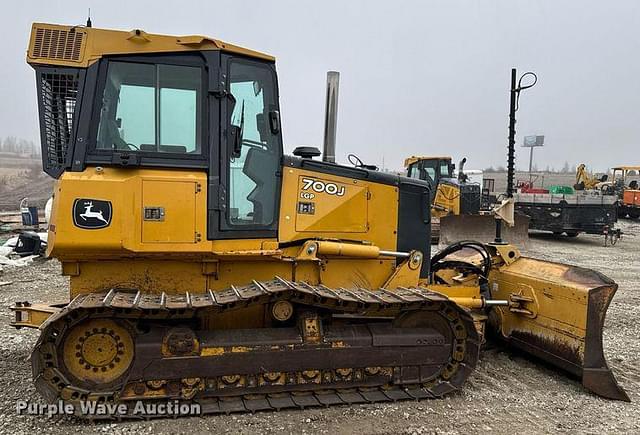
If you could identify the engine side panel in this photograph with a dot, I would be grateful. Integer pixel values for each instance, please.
(143, 229)
(100, 213)
(322, 205)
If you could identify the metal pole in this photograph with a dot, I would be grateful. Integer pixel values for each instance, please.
(331, 117)
(511, 152)
(512, 135)
(498, 239)
(530, 166)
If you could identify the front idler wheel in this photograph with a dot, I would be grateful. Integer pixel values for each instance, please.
(98, 353)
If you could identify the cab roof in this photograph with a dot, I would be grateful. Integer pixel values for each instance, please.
(626, 168)
(411, 160)
(79, 46)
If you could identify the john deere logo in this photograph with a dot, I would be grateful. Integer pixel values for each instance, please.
(91, 214)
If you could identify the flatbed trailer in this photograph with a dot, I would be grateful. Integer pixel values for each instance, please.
(582, 212)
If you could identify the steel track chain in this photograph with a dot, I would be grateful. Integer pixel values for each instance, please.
(54, 385)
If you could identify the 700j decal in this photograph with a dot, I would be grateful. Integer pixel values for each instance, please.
(322, 187)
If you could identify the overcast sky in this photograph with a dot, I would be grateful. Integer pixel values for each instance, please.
(417, 77)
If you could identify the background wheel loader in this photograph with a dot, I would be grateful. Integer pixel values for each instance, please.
(207, 267)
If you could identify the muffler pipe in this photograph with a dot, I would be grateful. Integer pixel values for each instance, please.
(331, 117)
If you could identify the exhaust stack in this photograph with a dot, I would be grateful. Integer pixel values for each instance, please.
(331, 117)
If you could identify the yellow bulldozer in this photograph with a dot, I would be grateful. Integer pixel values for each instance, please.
(208, 268)
(450, 194)
(458, 210)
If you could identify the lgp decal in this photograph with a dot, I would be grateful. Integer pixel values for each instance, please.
(91, 214)
(320, 187)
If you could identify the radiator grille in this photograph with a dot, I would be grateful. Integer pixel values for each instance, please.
(58, 94)
(470, 199)
(58, 44)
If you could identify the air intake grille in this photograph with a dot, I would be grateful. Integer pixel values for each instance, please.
(58, 44)
(58, 93)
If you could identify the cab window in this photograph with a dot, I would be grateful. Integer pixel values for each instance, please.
(414, 171)
(255, 150)
(444, 170)
(151, 108)
(429, 170)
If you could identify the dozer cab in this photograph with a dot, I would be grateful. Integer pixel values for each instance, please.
(208, 268)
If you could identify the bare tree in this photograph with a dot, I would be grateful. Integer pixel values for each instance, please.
(10, 144)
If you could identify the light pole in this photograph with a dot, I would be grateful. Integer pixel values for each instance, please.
(531, 142)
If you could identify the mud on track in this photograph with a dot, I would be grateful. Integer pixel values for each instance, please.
(507, 393)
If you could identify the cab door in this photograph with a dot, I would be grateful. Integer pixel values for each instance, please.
(248, 193)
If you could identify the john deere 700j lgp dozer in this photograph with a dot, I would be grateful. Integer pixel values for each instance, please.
(206, 266)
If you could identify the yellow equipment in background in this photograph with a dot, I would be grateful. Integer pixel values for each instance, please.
(208, 267)
(451, 195)
(587, 181)
(456, 204)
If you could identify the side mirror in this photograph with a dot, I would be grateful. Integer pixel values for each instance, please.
(274, 121)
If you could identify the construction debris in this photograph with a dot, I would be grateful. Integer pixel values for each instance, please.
(20, 250)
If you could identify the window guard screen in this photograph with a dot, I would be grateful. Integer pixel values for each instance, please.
(58, 92)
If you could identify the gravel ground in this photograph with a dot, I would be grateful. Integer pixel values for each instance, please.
(506, 394)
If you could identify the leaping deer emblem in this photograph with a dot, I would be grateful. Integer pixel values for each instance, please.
(92, 214)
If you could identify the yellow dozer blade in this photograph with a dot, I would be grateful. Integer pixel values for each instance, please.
(454, 228)
(557, 314)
